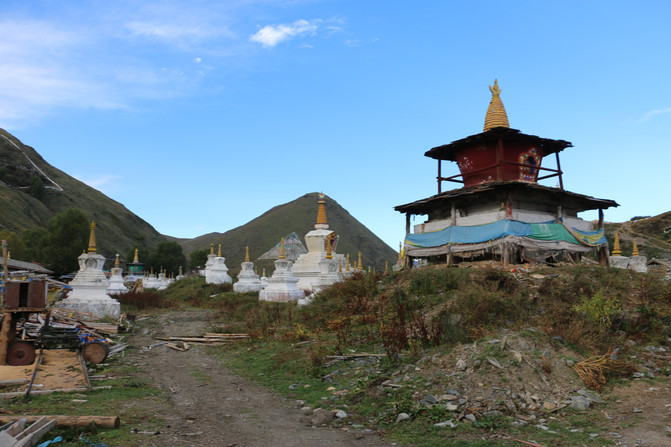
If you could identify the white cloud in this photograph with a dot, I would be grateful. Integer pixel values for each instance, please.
(197, 60)
(271, 35)
(652, 113)
(99, 181)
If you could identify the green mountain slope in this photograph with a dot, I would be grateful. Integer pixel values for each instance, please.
(30, 196)
(300, 215)
(653, 236)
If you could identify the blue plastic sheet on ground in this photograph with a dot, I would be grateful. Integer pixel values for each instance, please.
(53, 441)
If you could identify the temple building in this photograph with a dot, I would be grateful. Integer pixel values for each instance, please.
(216, 271)
(320, 266)
(248, 280)
(89, 286)
(116, 281)
(502, 212)
(282, 285)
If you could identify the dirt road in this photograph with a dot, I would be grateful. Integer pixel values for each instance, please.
(208, 405)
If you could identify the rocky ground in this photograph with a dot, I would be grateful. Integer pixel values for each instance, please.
(518, 375)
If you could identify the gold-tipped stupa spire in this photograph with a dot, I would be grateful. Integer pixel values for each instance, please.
(116, 261)
(322, 223)
(219, 252)
(136, 259)
(282, 249)
(359, 266)
(247, 253)
(92, 238)
(635, 249)
(211, 249)
(616, 246)
(496, 113)
(347, 262)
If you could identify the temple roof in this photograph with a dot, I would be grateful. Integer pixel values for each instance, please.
(487, 191)
(449, 151)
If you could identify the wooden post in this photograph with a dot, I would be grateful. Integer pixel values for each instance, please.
(439, 176)
(407, 223)
(5, 335)
(561, 182)
(4, 271)
(603, 251)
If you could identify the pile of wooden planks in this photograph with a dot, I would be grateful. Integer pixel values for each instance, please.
(208, 338)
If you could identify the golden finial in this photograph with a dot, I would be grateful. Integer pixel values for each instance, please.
(347, 262)
(211, 249)
(264, 273)
(92, 239)
(616, 246)
(400, 249)
(635, 249)
(152, 270)
(282, 249)
(386, 267)
(116, 261)
(219, 252)
(329, 254)
(9, 255)
(180, 270)
(321, 214)
(136, 260)
(247, 253)
(339, 265)
(359, 266)
(496, 113)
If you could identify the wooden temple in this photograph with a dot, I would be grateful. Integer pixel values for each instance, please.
(501, 211)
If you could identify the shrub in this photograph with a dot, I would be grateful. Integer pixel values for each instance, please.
(598, 308)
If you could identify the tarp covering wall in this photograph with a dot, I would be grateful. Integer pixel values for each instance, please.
(478, 234)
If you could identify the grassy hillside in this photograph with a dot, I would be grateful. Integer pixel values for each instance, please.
(653, 236)
(26, 203)
(300, 216)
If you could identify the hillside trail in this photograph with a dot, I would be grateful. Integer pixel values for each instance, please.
(208, 405)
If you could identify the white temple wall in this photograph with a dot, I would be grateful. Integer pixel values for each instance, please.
(488, 213)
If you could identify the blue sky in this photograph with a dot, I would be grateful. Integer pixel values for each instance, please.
(201, 115)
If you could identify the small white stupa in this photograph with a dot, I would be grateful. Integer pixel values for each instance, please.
(320, 266)
(217, 272)
(248, 280)
(116, 281)
(180, 275)
(89, 286)
(282, 285)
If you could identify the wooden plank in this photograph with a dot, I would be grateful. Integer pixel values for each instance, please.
(63, 390)
(68, 420)
(5, 337)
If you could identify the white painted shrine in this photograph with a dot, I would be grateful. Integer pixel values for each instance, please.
(248, 280)
(282, 286)
(89, 286)
(216, 271)
(116, 281)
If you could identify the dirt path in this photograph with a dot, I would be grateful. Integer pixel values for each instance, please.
(211, 406)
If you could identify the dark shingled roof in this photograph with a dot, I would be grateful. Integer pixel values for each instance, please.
(13, 264)
(449, 151)
(485, 190)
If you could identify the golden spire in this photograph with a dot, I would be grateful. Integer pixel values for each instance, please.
(400, 250)
(321, 214)
(136, 260)
(635, 249)
(496, 113)
(386, 267)
(180, 270)
(616, 246)
(116, 261)
(329, 254)
(347, 262)
(219, 252)
(282, 249)
(211, 249)
(247, 253)
(359, 266)
(339, 265)
(9, 254)
(92, 239)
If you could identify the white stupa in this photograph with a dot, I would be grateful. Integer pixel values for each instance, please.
(116, 281)
(320, 266)
(180, 275)
(282, 285)
(217, 272)
(248, 280)
(89, 286)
